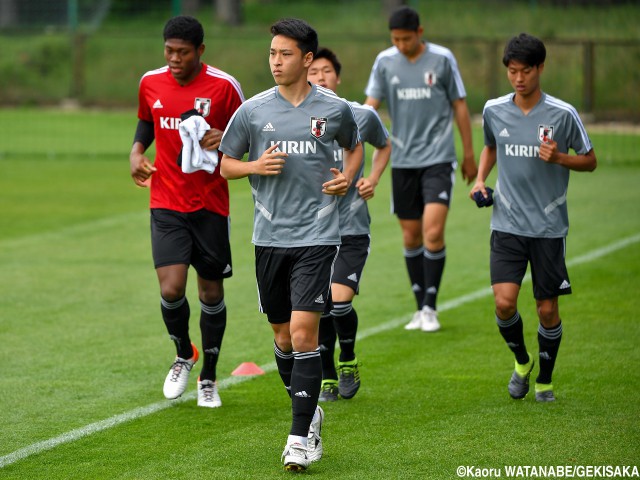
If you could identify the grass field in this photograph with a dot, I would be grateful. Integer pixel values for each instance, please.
(84, 351)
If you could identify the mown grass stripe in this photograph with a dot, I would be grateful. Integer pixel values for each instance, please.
(73, 230)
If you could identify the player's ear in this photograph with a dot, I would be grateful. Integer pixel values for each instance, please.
(200, 49)
(308, 59)
(541, 68)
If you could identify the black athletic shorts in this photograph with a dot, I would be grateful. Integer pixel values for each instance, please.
(293, 279)
(413, 188)
(510, 255)
(199, 238)
(351, 259)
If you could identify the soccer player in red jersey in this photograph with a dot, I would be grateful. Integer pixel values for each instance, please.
(189, 211)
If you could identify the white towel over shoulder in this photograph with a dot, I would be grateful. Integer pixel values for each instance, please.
(194, 157)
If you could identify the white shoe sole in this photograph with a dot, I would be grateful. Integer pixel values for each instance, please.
(430, 327)
(295, 463)
(213, 404)
(415, 323)
(413, 326)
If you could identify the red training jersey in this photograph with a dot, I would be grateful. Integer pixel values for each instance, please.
(161, 100)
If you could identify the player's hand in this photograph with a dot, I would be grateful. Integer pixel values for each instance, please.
(270, 162)
(549, 151)
(469, 169)
(141, 169)
(338, 186)
(211, 139)
(479, 186)
(365, 188)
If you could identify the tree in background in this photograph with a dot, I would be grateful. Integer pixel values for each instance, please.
(229, 11)
(390, 5)
(8, 13)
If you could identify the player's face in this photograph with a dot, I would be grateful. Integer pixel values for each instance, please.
(322, 73)
(524, 79)
(288, 65)
(408, 42)
(183, 59)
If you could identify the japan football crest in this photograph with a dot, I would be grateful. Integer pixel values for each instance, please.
(203, 106)
(430, 79)
(318, 126)
(545, 133)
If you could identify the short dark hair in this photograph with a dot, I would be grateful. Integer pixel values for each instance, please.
(185, 28)
(526, 49)
(324, 52)
(404, 18)
(299, 30)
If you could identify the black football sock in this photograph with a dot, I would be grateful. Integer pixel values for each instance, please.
(327, 346)
(346, 323)
(213, 321)
(548, 345)
(433, 270)
(511, 330)
(306, 379)
(284, 361)
(176, 318)
(413, 260)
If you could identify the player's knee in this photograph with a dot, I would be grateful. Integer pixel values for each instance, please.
(505, 307)
(304, 340)
(210, 292)
(411, 234)
(211, 297)
(283, 342)
(172, 293)
(411, 241)
(434, 235)
(548, 315)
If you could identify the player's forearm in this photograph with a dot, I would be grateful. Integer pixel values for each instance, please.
(352, 162)
(579, 163)
(373, 102)
(136, 156)
(137, 149)
(463, 120)
(232, 168)
(487, 161)
(379, 162)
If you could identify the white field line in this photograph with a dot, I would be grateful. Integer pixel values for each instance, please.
(140, 412)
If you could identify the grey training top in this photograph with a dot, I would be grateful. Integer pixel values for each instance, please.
(354, 214)
(419, 97)
(531, 194)
(290, 208)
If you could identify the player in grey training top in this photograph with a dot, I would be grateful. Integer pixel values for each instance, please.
(289, 132)
(342, 319)
(424, 92)
(354, 214)
(306, 133)
(419, 96)
(528, 135)
(530, 196)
